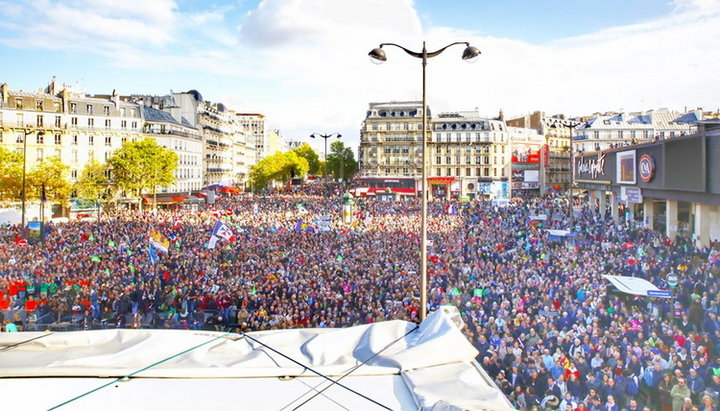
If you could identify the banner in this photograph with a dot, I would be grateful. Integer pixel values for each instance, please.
(159, 241)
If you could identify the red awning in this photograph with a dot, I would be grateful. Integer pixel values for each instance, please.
(230, 190)
(148, 198)
(440, 180)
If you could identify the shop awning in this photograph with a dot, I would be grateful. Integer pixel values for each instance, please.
(440, 180)
(637, 286)
(148, 199)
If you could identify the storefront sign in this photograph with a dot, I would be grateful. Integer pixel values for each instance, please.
(592, 166)
(631, 194)
(646, 168)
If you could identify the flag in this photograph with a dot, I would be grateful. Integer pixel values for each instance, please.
(152, 254)
(221, 230)
(21, 242)
(95, 258)
(159, 241)
(111, 243)
(451, 209)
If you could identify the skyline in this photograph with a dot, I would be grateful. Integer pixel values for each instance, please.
(304, 64)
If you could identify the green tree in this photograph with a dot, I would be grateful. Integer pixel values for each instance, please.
(10, 174)
(308, 153)
(278, 167)
(48, 181)
(143, 164)
(341, 161)
(93, 183)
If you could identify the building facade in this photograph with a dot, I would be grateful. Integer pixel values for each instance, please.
(253, 125)
(557, 130)
(466, 152)
(671, 185)
(182, 138)
(614, 130)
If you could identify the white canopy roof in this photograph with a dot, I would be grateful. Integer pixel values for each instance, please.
(637, 286)
(431, 367)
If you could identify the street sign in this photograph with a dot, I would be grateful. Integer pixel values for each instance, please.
(631, 194)
(659, 293)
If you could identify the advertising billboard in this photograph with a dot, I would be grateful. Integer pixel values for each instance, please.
(626, 170)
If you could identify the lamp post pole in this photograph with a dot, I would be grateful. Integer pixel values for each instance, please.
(572, 175)
(378, 54)
(325, 137)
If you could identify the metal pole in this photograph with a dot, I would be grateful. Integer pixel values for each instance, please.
(423, 185)
(22, 224)
(326, 160)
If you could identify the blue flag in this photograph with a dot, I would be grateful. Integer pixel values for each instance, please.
(152, 254)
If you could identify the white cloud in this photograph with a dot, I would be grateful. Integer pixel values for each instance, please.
(304, 63)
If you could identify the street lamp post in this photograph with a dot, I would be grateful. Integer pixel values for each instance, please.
(572, 175)
(325, 137)
(469, 54)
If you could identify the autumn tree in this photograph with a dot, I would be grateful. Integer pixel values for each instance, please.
(10, 174)
(278, 167)
(142, 164)
(308, 153)
(49, 181)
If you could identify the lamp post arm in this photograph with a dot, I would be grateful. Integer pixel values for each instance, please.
(410, 52)
(437, 52)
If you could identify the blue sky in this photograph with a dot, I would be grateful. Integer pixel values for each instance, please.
(304, 63)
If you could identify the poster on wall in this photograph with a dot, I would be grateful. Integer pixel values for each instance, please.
(626, 167)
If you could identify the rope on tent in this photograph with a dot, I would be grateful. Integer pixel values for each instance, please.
(355, 368)
(126, 377)
(315, 372)
(11, 346)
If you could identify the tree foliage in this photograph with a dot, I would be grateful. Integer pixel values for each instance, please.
(308, 153)
(278, 167)
(93, 183)
(143, 164)
(49, 181)
(10, 174)
(341, 161)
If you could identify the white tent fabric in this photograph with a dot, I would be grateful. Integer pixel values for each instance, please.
(432, 367)
(636, 286)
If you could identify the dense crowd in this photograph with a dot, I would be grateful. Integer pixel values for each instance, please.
(550, 330)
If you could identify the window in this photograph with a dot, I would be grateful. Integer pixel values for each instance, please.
(123, 124)
(91, 140)
(58, 139)
(58, 153)
(438, 149)
(18, 103)
(91, 122)
(122, 112)
(596, 134)
(448, 160)
(20, 119)
(75, 156)
(132, 112)
(58, 121)
(40, 138)
(107, 124)
(468, 172)
(39, 155)
(89, 108)
(73, 174)
(74, 139)
(19, 138)
(448, 172)
(107, 155)
(477, 172)
(56, 107)
(39, 105)
(39, 121)
(73, 108)
(91, 155)
(134, 124)
(73, 121)
(438, 160)
(486, 172)
(106, 110)
(108, 141)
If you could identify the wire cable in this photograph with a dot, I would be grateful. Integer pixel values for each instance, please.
(139, 371)
(11, 346)
(355, 368)
(316, 372)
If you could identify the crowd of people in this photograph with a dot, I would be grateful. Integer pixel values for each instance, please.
(550, 330)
